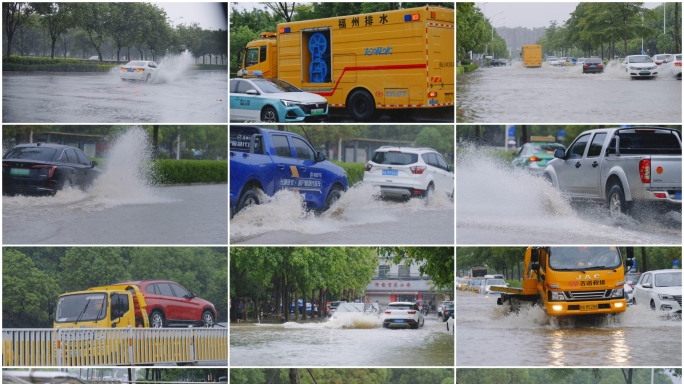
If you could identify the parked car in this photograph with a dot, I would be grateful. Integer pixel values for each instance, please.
(139, 70)
(170, 304)
(41, 168)
(402, 314)
(661, 290)
(441, 306)
(274, 101)
(409, 172)
(592, 65)
(534, 155)
(497, 63)
(640, 66)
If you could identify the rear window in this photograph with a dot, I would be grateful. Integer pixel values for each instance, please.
(30, 153)
(593, 60)
(647, 142)
(395, 158)
(536, 148)
(401, 307)
(136, 63)
(240, 139)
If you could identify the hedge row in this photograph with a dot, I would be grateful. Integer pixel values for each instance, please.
(466, 68)
(354, 171)
(211, 66)
(46, 64)
(191, 171)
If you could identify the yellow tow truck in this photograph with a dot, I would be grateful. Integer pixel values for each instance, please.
(110, 306)
(571, 281)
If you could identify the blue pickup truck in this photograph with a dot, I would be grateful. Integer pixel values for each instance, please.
(272, 160)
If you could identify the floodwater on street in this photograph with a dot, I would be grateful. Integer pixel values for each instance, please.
(563, 94)
(359, 217)
(357, 341)
(497, 204)
(121, 207)
(187, 96)
(487, 335)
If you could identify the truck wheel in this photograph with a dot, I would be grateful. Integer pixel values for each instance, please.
(269, 115)
(250, 197)
(334, 195)
(207, 319)
(616, 200)
(361, 105)
(157, 320)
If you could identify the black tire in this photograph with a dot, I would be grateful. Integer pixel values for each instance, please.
(616, 200)
(269, 115)
(248, 198)
(428, 193)
(361, 105)
(653, 308)
(157, 319)
(385, 325)
(334, 195)
(208, 319)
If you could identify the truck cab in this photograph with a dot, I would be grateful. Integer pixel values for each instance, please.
(100, 307)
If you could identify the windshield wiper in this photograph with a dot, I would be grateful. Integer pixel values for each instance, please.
(82, 312)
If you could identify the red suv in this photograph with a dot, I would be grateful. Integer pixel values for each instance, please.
(168, 303)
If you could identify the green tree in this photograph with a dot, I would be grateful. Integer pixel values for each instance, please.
(14, 15)
(93, 19)
(83, 268)
(56, 18)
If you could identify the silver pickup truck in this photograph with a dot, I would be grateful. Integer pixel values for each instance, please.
(621, 166)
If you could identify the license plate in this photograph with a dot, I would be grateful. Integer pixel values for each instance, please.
(130, 70)
(390, 172)
(644, 73)
(317, 111)
(592, 65)
(399, 321)
(588, 307)
(19, 172)
(678, 195)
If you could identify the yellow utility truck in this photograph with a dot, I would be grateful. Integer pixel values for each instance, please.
(393, 61)
(101, 307)
(531, 56)
(570, 281)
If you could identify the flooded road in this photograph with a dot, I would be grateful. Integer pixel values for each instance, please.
(191, 97)
(357, 218)
(486, 335)
(497, 204)
(361, 342)
(563, 94)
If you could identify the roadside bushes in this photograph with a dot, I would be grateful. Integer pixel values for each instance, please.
(212, 67)
(354, 171)
(28, 63)
(466, 68)
(191, 171)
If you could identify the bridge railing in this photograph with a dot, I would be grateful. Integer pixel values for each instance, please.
(112, 346)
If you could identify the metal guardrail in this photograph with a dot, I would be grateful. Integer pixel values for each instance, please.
(124, 346)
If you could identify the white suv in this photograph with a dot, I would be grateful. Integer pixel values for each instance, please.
(406, 172)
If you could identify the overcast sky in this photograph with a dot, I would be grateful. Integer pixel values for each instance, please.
(531, 15)
(207, 15)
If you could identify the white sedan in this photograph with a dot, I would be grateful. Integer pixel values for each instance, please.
(675, 66)
(661, 290)
(139, 70)
(402, 314)
(640, 66)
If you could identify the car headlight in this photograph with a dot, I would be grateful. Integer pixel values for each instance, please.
(289, 103)
(557, 295)
(618, 293)
(666, 297)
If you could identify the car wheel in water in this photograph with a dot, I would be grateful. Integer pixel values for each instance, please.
(250, 197)
(269, 115)
(653, 308)
(334, 195)
(385, 325)
(208, 319)
(157, 320)
(361, 106)
(616, 200)
(147, 78)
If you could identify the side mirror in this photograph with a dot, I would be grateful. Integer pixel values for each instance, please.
(93, 164)
(192, 295)
(252, 92)
(559, 154)
(320, 156)
(451, 168)
(646, 285)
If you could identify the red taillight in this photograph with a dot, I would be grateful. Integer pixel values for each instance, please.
(645, 170)
(368, 167)
(5, 165)
(432, 94)
(388, 312)
(411, 312)
(586, 65)
(418, 169)
(678, 64)
(51, 168)
(660, 195)
(535, 158)
(599, 65)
